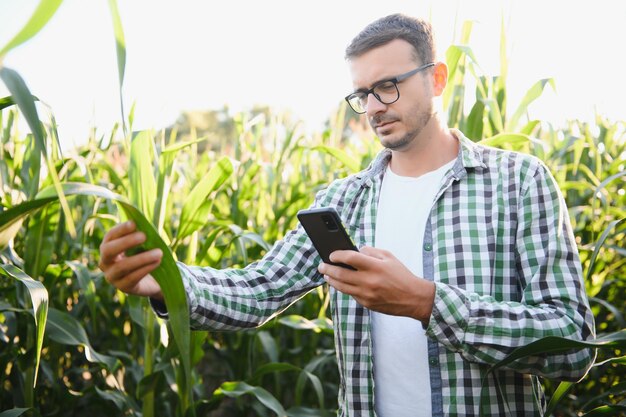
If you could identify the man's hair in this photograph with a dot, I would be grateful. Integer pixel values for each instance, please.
(416, 31)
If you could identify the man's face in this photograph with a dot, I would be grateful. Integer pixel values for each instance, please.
(399, 123)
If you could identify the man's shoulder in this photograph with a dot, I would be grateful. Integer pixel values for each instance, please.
(502, 161)
(340, 190)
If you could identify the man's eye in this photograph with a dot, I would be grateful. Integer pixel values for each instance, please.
(385, 87)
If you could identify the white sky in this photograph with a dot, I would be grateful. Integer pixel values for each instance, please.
(186, 54)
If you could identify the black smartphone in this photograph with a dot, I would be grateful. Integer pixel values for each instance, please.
(325, 229)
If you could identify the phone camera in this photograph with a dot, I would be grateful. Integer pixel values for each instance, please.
(330, 223)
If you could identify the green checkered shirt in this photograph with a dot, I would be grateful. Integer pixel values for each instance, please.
(500, 249)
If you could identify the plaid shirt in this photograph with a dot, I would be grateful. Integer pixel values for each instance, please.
(500, 249)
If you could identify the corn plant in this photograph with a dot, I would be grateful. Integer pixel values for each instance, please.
(72, 345)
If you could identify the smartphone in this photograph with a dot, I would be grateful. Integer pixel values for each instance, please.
(325, 229)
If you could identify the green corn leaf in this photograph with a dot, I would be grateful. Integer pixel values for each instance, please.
(163, 184)
(124, 403)
(120, 41)
(530, 127)
(66, 330)
(300, 323)
(167, 275)
(14, 412)
(39, 241)
(239, 389)
(474, 123)
(309, 412)
(39, 299)
(307, 374)
(12, 218)
(25, 101)
(352, 164)
(495, 116)
(532, 94)
(620, 360)
(501, 139)
(6, 102)
(23, 98)
(269, 345)
(272, 367)
(195, 210)
(561, 391)
(120, 49)
(142, 182)
(176, 147)
(42, 14)
(620, 175)
(149, 383)
(606, 410)
(617, 314)
(554, 344)
(596, 250)
(86, 284)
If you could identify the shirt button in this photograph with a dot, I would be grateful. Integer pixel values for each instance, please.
(428, 247)
(433, 360)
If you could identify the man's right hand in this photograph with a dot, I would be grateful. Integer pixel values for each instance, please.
(130, 274)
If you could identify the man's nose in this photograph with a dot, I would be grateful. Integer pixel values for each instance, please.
(374, 106)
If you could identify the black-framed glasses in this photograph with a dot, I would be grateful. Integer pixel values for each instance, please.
(385, 91)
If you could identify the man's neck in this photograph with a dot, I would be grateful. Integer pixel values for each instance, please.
(434, 147)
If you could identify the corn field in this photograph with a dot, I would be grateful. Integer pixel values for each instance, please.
(71, 345)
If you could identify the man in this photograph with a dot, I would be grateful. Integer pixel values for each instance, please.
(466, 252)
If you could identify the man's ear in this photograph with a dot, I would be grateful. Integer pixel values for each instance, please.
(440, 78)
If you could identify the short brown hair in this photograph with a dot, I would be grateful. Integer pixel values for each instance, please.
(416, 31)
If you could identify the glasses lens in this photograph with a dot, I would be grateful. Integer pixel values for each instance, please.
(358, 102)
(387, 92)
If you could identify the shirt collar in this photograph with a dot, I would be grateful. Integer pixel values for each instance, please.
(469, 156)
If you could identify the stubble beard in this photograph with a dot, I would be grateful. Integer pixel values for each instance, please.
(403, 143)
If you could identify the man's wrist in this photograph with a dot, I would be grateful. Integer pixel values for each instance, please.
(425, 301)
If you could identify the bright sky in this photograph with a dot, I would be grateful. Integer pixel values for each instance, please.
(189, 55)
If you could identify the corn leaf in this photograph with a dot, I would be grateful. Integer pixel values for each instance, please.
(561, 391)
(167, 275)
(86, 284)
(596, 250)
(120, 41)
(501, 139)
(120, 49)
(65, 329)
(239, 389)
(554, 344)
(195, 210)
(352, 164)
(606, 410)
(532, 94)
(6, 102)
(42, 14)
(39, 299)
(142, 182)
(14, 412)
(26, 103)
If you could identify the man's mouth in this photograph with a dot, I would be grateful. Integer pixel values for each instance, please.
(383, 124)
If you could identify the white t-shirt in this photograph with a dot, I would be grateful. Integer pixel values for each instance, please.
(401, 373)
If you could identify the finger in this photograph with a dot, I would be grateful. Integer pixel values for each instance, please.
(356, 259)
(338, 273)
(110, 250)
(342, 286)
(119, 231)
(129, 283)
(127, 266)
(374, 252)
